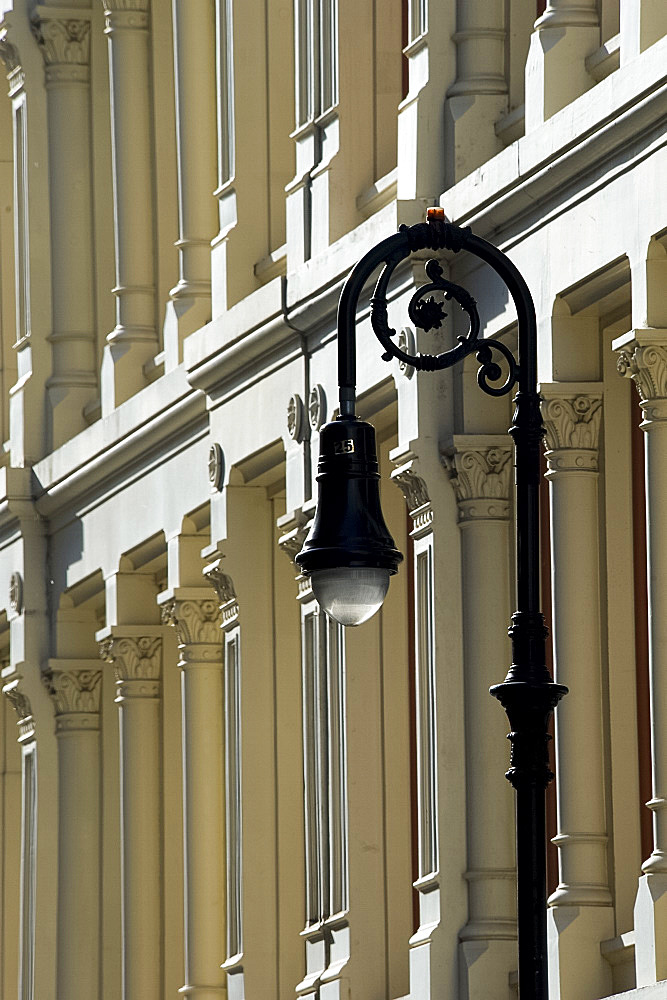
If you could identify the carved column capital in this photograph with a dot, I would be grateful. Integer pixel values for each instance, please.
(136, 656)
(415, 492)
(642, 356)
(480, 469)
(197, 620)
(65, 46)
(11, 59)
(572, 417)
(223, 585)
(75, 691)
(21, 705)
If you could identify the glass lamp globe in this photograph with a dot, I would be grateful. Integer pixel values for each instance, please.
(350, 595)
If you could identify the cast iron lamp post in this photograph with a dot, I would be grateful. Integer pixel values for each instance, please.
(350, 554)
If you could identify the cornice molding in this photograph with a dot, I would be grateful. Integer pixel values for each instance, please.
(572, 429)
(628, 104)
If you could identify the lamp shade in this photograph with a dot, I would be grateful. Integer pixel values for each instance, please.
(349, 532)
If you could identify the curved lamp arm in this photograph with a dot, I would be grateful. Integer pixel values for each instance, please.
(528, 693)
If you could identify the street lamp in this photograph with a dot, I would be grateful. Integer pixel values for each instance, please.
(350, 555)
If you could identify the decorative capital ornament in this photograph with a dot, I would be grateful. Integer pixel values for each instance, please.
(196, 621)
(223, 585)
(21, 705)
(63, 41)
(572, 429)
(136, 662)
(75, 692)
(9, 54)
(294, 530)
(480, 470)
(646, 365)
(416, 495)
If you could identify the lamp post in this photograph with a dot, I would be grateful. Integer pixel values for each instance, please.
(350, 555)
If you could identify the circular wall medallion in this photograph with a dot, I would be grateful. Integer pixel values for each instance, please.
(16, 593)
(317, 407)
(407, 343)
(295, 417)
(216, 467)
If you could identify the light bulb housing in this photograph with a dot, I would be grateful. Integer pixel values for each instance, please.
(348, 529)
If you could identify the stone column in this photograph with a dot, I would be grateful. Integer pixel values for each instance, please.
(74, 686)
(194, 62)
(478, 98)
(134, 340)
(567, 32)
(65, 45)
(13, 690)
(481, 469)
(581, 914)
(197, 618)
(643, 356)
(135, 652)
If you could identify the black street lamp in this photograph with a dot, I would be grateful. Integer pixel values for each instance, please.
(350, 554)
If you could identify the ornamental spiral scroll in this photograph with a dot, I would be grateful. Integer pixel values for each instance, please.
(428, 313)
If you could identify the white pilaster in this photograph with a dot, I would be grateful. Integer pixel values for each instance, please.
(441, 847)
(478, 98)
(196, 616)
(74, 686)
(136, 652)
(134, 340)
(194, 61)
(65, 46)
(481, 473)
(431, 55)
(643, 22)
(643, 356)
(567, 32)
(580, 914)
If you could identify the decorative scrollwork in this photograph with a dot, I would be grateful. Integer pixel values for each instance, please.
(491, 371)
(428, 313)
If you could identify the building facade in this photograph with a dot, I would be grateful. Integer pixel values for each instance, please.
(206, 785)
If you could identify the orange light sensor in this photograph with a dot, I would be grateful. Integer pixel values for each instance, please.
(435, 213)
